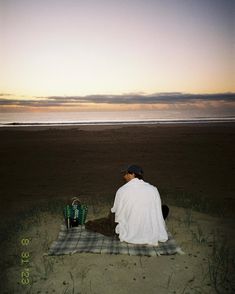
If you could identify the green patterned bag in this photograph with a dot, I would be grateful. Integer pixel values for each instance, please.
(75, 213)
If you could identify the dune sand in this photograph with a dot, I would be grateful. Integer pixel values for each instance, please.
(197, 271)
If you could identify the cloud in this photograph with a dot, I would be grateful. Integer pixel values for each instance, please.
(165, 98)
(171, 98)
(5, 94)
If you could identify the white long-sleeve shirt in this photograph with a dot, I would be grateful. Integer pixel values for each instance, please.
(138, 212)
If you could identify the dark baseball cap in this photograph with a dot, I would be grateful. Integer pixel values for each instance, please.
(133, 169)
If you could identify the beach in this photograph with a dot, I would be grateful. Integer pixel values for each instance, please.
(38, 164)
(191, 165)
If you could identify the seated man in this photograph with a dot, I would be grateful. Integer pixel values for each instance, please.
(137, 208)
(137, 215)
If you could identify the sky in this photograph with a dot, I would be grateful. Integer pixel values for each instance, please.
(60, 53)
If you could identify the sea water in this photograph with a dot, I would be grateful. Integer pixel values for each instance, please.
(104, 118)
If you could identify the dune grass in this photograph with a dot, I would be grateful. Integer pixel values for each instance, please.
(196, 202)
(221, 260)
(221, 267)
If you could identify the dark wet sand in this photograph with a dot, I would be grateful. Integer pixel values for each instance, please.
(38, 164)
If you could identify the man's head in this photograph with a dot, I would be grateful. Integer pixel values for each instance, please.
(133, 171)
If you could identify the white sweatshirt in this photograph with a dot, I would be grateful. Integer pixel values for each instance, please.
(138, 212)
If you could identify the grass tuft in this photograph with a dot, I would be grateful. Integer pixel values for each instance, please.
(197, 202)
(221, 267)
(199, 235)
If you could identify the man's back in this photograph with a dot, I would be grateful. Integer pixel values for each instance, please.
(137, 208)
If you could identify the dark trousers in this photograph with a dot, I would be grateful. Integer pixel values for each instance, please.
(107, 225)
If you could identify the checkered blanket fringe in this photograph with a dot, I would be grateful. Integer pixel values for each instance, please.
(80, 240)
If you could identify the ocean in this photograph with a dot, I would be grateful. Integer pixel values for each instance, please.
(15, 119)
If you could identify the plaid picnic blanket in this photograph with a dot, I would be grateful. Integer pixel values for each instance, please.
(78, 240)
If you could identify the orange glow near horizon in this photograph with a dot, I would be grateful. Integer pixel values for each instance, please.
(86, 107)
(105, 47)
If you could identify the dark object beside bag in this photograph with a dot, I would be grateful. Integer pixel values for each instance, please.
(75, 214)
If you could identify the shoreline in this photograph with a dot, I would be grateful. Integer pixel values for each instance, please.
(131, 121)
(118, 125)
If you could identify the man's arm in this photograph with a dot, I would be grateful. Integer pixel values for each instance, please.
(118, 206)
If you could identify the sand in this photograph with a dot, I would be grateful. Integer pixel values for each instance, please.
(183, 161)
(197, 271)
